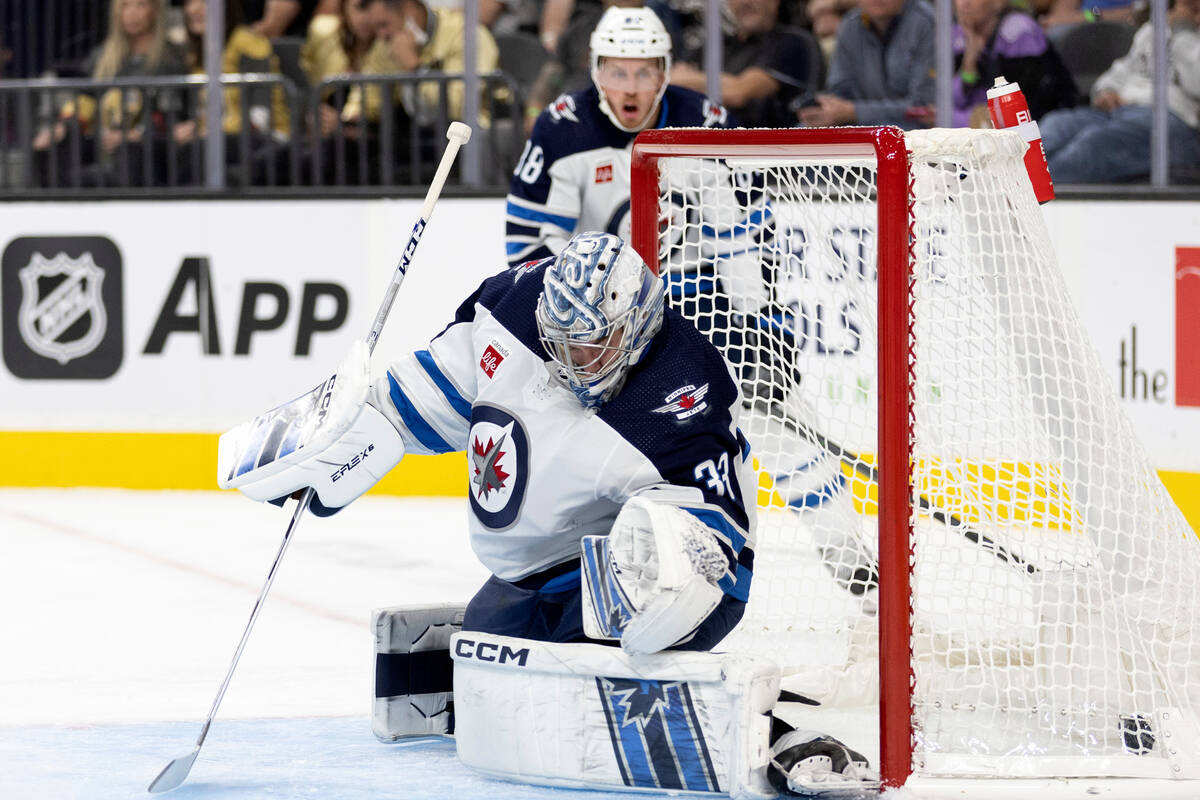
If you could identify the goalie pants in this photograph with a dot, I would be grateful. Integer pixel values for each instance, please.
(548, 607)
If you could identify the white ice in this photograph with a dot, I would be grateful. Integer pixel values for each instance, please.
(121, 612)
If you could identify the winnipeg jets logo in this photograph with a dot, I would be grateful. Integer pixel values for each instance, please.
(56, 296)
(489, 475)
(685, 402)
(563, 108)
(497, 466)
(639, 700)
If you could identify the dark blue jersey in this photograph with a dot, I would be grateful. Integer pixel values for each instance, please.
(574, 172)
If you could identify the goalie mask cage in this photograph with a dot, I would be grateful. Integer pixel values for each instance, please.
(922, 401)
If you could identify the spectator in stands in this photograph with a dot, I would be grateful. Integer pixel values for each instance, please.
(274, 18)
(556, 16)
(687, 22)
(412, 38)
(499, 16)
(569, 68)
(991, 39)
(136, 45)
(1072, 12)
(525, 16)
(409, 38)
(1109, 140)
(337, 45)
(766, 67)
(882, 68)
(825, 16)
(265, 108)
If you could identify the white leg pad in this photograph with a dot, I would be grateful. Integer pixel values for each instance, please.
(591, 716)
(413, 671)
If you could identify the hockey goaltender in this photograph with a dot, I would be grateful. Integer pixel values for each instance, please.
(608, 482)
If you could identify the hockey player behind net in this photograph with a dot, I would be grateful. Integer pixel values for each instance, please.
(574, 175)
(612, 498)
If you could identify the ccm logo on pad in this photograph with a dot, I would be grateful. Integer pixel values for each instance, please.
(487, 651)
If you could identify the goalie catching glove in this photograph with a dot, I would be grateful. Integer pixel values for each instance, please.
(330, 439)
(653, 579)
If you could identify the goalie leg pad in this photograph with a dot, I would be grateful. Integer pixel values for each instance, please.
(592, 716)
(413, 671)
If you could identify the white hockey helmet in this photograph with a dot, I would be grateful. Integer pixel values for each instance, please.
(599, 309)
(630, 33)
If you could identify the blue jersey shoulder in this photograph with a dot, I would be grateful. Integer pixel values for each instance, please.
(677, 406)
(574, 123)
(684, 108)
(511, 297)
(656, 399)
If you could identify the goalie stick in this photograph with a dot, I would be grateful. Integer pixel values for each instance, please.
(458, 134)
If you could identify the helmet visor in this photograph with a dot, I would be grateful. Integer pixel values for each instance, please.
(623, 77)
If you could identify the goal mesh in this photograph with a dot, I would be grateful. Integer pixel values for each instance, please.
(1054, 586)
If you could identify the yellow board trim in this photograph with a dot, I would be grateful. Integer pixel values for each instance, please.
(130, 460)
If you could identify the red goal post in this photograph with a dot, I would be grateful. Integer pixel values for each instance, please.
(895, 260)
(956, 519)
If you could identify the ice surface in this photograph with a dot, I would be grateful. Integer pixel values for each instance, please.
(333, 758)
(121, 611)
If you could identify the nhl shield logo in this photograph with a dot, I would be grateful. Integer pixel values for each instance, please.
(62, 315)
(61, 307)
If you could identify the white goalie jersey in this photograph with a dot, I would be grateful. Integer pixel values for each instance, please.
(543, 472)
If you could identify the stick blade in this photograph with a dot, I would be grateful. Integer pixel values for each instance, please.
(174, 773)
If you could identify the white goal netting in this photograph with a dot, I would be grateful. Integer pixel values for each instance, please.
(1055, 585)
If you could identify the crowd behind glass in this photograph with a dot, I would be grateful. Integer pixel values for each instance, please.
(110, 93)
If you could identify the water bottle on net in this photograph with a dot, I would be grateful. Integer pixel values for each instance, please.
(1008, 110)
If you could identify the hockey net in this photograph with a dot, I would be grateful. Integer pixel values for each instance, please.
(1035, 609)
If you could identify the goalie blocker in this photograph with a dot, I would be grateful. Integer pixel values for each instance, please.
(331, 439)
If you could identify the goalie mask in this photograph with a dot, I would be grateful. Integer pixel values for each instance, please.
(599, 310)
(630, 33)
